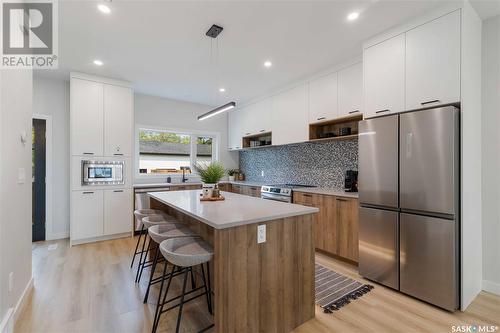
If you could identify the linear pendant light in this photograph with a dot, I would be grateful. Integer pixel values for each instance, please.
(213, 32)
(220, 109)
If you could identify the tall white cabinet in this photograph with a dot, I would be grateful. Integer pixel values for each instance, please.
(101, 127)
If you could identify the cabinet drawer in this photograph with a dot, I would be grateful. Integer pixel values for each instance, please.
(306, 199)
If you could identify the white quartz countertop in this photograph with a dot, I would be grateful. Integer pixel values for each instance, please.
(327, 191)
(235, 211)
(165, 184)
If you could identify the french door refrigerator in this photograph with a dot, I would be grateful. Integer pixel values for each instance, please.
(409, 203)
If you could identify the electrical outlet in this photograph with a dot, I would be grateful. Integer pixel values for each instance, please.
(262, 173)
(11, 281)
(261, 233)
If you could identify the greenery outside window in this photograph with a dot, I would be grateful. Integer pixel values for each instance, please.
(169, 152)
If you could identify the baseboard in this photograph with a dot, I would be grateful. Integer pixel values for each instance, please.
(7, 324)
(491, 287)
(98, 239)
(21, 303)
(59, 235)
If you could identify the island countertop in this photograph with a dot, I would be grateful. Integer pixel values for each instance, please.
(236, 210)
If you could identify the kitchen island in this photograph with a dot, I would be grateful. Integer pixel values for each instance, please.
(258, 287)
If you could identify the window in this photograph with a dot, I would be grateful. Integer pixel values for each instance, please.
(169, 152)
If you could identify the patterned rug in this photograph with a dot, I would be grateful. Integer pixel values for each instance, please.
(334, 290)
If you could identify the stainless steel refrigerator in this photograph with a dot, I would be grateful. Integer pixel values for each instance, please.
(409, 203)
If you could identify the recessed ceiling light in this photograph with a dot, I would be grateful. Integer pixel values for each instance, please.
(98, 62)
(352, 16)
(103, 8)
(222, 89)
(268, 64)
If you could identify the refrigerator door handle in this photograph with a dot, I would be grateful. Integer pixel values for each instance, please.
(409, 139)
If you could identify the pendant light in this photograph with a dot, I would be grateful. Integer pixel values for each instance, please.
(213, 33)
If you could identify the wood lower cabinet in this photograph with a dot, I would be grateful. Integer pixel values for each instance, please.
(253, 191)
(225, 187)
(347, 228)
(336, 224)
(185, 187)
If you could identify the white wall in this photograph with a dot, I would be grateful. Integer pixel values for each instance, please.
(15, 198)
(162, 112)
(51, 97)
(491, 154)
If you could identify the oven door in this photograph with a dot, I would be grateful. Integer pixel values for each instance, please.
(276, 197)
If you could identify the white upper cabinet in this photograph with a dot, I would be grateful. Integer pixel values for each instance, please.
(118, 120)
(350, 90)
(87, 135)
(323, 100)
(384, 77)
(235, 126)
(256, 118)
(290, 116)
(433, 62)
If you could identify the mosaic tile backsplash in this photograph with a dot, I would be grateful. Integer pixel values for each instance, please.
(312, 163)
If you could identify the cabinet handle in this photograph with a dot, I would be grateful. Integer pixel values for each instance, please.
(118, 191)
(340, 199)
(321, 118)
(88, 192)
(247, 133)
(118, 154)
(237, 147)
(262, 131)
(380, 111)
(88, 153)
(354, 111)
(306, 195)
(430, 102)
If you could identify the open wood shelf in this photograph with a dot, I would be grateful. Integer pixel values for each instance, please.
(331, 129)
(258, 140)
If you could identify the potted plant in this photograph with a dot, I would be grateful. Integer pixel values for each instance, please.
(232, 173)
(210, 174)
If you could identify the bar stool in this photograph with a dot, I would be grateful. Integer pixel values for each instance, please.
(147, 222)
(159, 233)
(139, 215)
(184, 253)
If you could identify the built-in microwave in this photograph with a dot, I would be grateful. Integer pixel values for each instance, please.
(102, 172)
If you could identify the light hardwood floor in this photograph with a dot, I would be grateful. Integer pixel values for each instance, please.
(90, 288)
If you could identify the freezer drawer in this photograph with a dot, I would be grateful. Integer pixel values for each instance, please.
(378, 246)
(429, 160)
(378, 162)
(428, 260)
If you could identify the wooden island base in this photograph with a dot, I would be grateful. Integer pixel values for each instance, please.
(267, 287)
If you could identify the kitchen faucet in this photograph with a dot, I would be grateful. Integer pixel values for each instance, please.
(184, 178)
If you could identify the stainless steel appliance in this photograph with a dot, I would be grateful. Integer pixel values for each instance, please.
(103, 172)
(351, 181)
(409, 203)
(280, 192)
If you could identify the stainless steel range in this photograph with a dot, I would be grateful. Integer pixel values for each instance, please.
(280, 192)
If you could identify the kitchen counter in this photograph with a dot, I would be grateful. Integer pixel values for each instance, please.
(153, 185)
(236, 210)
(327, 191)
(263, 263)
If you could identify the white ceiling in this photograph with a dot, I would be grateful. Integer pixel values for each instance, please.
(161, 46)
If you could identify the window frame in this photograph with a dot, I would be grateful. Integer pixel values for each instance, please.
(216, 136)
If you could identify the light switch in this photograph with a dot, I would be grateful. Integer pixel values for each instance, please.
(21, 176)
(261, 233)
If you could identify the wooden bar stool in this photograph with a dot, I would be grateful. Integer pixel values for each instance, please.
(184, 254)
(158, 234)
(149, 221)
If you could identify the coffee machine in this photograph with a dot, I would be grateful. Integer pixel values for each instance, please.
(351, 181)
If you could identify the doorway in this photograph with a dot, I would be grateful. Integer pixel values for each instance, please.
(39, 163)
